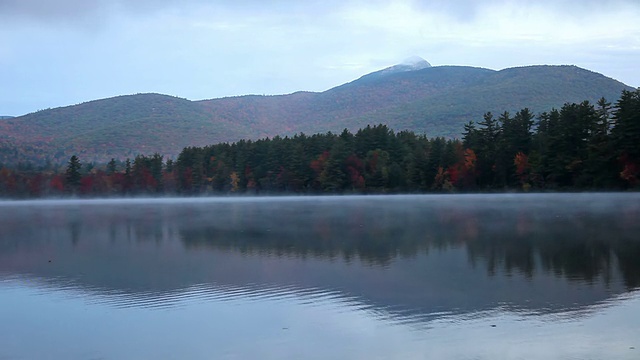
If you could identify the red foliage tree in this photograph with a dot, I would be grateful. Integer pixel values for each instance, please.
(523, 168)
(355, 169)
(57, 183)
(86, 184)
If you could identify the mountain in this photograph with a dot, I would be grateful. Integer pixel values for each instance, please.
(5, 117)
(415, 96)
(122, 126)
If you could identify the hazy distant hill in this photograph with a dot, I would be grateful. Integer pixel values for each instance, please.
(5, 117)
(432, 100)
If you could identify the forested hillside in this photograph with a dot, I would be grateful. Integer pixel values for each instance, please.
(435, 101)
(580, 146)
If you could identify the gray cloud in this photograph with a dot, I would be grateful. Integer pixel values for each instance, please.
(54, 11)
(49, 10)
(466, 10)
(204, 48)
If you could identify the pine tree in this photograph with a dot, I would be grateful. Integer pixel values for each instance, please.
(489, 133)
(626, 136)
(72, 174)
(111, 167)
(600, 166)
(128, 177)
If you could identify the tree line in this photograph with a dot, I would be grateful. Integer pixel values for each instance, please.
(577, 147)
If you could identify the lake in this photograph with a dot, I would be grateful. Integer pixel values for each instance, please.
(504, 276)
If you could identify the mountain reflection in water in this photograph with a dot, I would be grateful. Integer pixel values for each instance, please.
(411, 258)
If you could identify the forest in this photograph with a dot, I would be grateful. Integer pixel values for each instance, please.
(579, 147)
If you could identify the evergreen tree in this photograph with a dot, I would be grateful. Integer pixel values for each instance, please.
(515, 137)
(566, 136)
(111, 167)
(72, 174)
(626, 136)
(600, 165)
(155, 166)
(128, 177)
(334, 177)
(434, 160)
(470, 136)
(489, 133)
(169, 166)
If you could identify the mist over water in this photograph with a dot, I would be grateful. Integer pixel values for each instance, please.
(375, 276)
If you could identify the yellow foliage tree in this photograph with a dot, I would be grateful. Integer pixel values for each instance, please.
(235, 181)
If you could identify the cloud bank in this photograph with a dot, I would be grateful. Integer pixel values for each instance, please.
(55, 53)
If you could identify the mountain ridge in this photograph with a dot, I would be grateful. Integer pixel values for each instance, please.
(436, 101)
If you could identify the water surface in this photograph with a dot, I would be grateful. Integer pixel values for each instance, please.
(441, 276)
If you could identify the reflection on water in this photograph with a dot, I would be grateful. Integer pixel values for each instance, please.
(426, 262)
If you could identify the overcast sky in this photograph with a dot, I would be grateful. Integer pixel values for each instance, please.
(62, 52)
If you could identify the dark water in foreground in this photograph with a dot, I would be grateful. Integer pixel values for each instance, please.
(403, 277)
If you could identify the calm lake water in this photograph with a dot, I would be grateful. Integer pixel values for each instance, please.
(379, 277)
